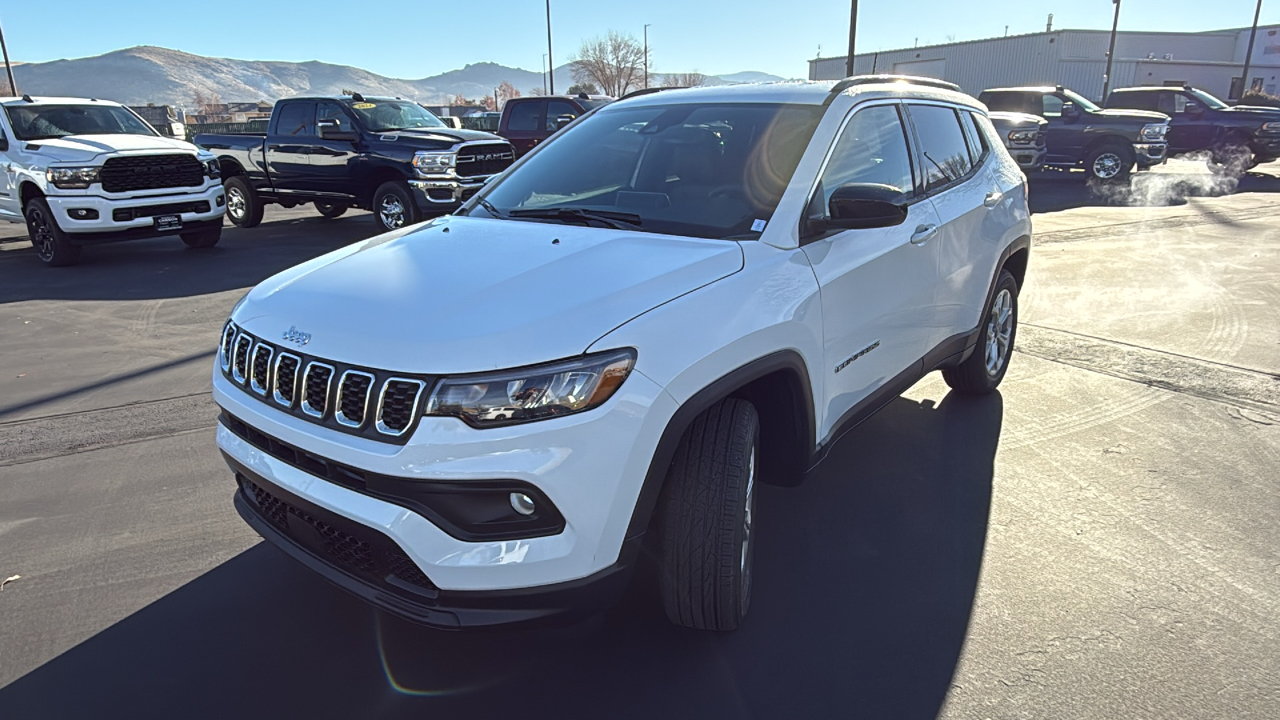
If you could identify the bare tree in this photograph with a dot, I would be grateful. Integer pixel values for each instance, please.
(675, 80)
(460, 101)
(209, 106)
(489, 103)
(614, 63)
(505, 92)
(535, 91)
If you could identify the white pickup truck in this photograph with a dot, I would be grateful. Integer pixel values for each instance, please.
(82, 172)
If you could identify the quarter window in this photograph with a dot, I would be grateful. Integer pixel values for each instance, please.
(297, 119)
(525, 117)
(872, 149)
(942, 144)
(977, 144)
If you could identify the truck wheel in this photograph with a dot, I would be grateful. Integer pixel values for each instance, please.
(985, 368)
(1233, 159)
(330, 210)
(244, 209)
(706, 516)
(1109, 161)
(393, 206)
(206, 238)
(51, 244)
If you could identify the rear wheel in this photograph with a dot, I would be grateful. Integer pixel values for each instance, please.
(330, 210)
(52, 246)
(1110, 161)
(393, 206)
(206, 238)
(985, 368)
(1233, 158)
(244, 209)
(706, 519)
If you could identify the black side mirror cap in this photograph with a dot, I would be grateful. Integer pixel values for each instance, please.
(1193, 108)
(563, 121)
(860, 206)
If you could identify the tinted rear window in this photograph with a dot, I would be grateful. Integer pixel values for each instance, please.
(946, 155)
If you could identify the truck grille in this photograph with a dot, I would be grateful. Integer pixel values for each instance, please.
(377, 404)
(484, 160)
(151, 172)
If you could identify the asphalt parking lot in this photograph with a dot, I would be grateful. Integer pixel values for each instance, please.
(1101, 539)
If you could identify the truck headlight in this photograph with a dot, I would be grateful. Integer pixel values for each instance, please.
(523, 395)
(427, 163)
(1154, 132)
(212, 168)
(1271, 127)
(72, 178)
(1022, 137)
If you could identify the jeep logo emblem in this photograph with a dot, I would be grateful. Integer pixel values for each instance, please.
(294, 336)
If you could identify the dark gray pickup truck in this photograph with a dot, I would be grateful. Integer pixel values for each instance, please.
(386, 155)
(1106, 143)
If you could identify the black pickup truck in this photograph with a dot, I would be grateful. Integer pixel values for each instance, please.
(1241, 135)
(386, 155)
(1106, 143)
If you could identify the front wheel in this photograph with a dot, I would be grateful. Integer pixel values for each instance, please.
(200, 239)
(393, 206)
(985, 368)
(706, 520)
(52, 246)
(1110, 161)
(244, 209)
(330, 210)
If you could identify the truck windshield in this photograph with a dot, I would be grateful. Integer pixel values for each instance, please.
(388, 115)
(1209, 101)
(711, 171)
(1081, 101)
(41, 122)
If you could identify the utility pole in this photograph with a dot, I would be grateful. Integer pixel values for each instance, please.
(544, 73)
(551, 63)
(1248, 54)
(646, 55)
(853, 31)
(1111, 54)
(13, 87)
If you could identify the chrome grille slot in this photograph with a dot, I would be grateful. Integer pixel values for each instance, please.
(315, 394)
(353, 398)
(398, 405)
(240, 361)
(260, 377)
(286, 372)
(227, 345)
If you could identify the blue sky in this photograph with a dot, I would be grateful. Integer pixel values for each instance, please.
(409, 39)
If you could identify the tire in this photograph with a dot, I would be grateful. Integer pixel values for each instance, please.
(986, 367)
(202, 238)
(52, 246)
(706, 516)
(393, 206)
(244, 209)
(330, 210)
(1110, 161)
(1234, 159)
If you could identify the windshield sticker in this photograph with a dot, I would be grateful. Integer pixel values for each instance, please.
(364, 106)
(758, 226)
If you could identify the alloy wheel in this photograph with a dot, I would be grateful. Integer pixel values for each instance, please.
(41, 234)
(236, 204)
(999, 332)
(391, 212)
(1107, 166)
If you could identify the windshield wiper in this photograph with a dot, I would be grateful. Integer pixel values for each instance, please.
(491, 209)
(615, 220)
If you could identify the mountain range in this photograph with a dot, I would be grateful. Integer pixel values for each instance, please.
(148, 74)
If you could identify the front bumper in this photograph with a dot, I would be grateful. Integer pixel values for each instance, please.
(1028, 158)
(145, 207)
(1150, 154)
(435, 195)
(1265, 147)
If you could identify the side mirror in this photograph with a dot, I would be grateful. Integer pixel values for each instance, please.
(563, 121)
(1193, 108)
(859, 206)
(1069, 110)
(330, 130)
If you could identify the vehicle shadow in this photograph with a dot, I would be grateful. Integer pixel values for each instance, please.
(866, 576)
(165, 268)
(1053, 190)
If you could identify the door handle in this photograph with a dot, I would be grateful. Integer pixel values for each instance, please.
(924, 234)
(993, 198)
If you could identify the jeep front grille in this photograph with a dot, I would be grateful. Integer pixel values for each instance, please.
(377, 404)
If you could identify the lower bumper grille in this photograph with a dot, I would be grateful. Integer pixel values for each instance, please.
(127, 214)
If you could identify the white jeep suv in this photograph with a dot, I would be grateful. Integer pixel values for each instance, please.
(477, 420)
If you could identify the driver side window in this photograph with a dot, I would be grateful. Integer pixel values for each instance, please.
(1052, 106)
(872, 149)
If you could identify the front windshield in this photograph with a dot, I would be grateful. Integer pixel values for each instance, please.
(711, 171)
(1208, 100)
(387, 115)
(41, 122)
(1080, 101)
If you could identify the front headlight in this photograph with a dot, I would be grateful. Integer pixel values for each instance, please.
(1022, 137)
(433, 162)
(212, 169)
(1271, 127)
(72, 178)
(1154, 132)
(534, 393)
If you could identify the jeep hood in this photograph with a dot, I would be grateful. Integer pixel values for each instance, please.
(85, 148)
(462, 295)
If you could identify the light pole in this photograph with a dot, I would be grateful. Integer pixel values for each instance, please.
(853, 31)
(544, 73)
(1248, 54)
(551, 63)
(1111, 54)
(646, 54)
(13, 87)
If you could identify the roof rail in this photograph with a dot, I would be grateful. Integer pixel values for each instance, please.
(849, 82)
(647, 91)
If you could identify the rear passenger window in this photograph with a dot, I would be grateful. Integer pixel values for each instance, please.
(872, 149)
(977, 144)
(942, 143)
(297, 119)
(525, 117)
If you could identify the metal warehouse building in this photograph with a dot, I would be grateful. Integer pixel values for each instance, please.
(1077, 59)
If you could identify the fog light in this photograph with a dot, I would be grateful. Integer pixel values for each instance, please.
(522, 503)
(83, 214)
(222, 200)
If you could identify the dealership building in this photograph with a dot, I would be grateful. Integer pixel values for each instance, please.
(1077, 59)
